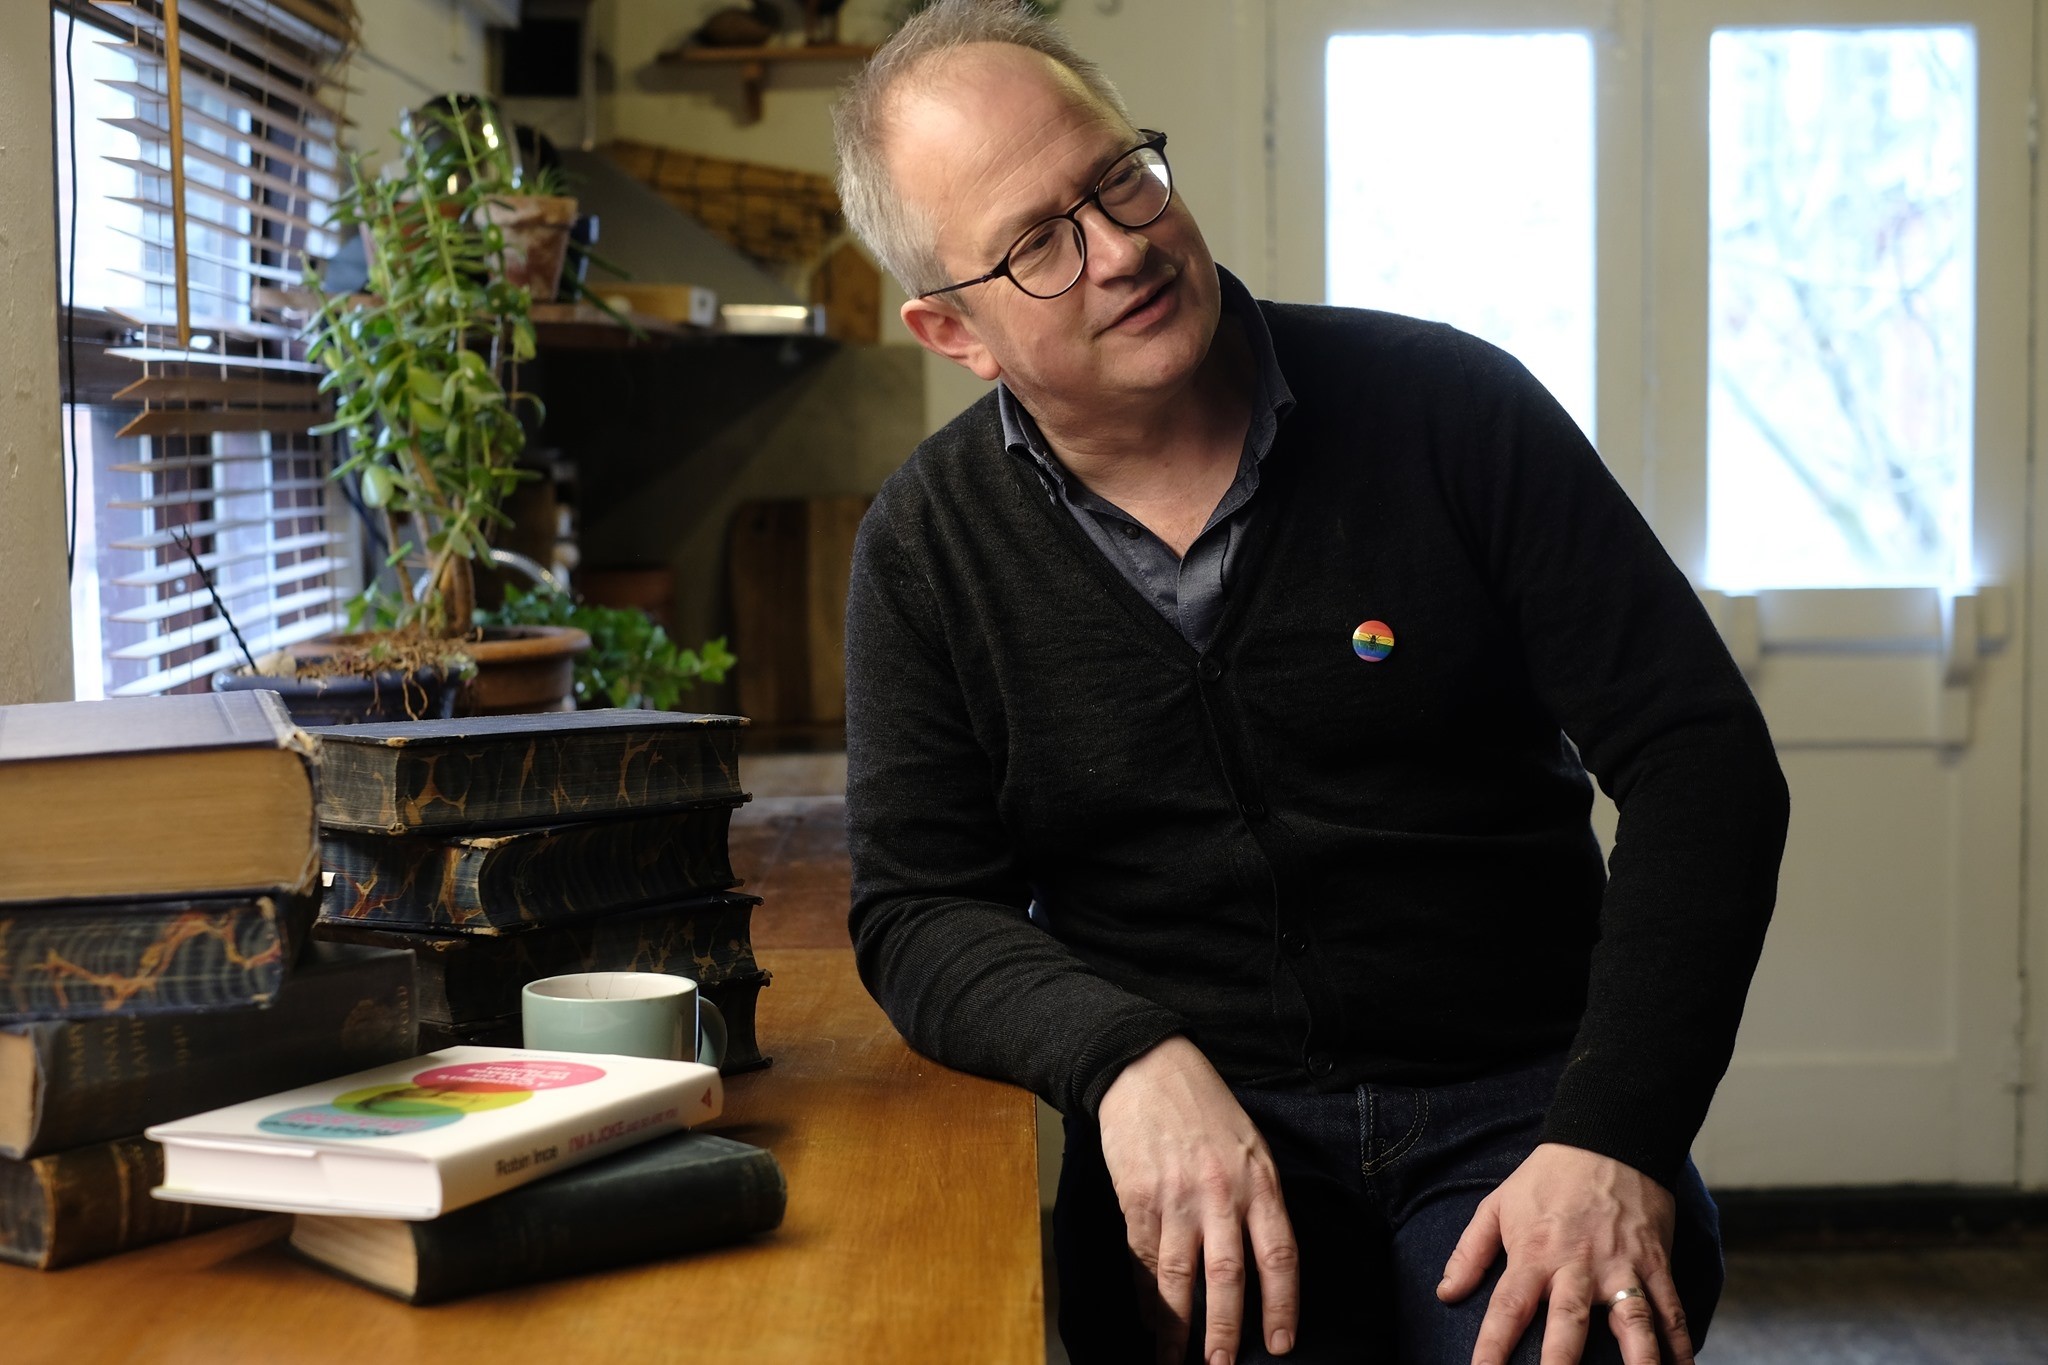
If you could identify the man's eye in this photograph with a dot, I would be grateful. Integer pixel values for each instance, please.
(1035, 242)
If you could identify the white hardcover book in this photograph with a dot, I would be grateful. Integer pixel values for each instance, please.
(417, 1139)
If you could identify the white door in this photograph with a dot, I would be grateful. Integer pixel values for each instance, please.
(1772, 253)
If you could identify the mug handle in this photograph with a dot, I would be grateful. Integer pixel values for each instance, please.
(711, 1032)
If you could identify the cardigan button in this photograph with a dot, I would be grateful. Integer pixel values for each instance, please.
(1296, 944)
(1252, 810)
(1210, 669)
(1320, 1065)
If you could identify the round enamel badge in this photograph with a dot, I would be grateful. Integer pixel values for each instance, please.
(1373, 640)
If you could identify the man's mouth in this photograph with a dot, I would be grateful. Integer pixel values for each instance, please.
(1142, 309)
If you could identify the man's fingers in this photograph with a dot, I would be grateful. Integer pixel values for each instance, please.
(1671, 1323)
(1634, 1325)
(1279, 1261)
(1223, 1279)
(1175, 1274)
(1508, 1314)
(1571, 1312)
(1471, 1258)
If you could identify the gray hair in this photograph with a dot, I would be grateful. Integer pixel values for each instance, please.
(900, 238)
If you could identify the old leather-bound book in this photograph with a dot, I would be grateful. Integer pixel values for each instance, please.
(136, 797)
(67, 1207)
(520, 879)
(669, 1197)
(502, 772)
(67, 1083)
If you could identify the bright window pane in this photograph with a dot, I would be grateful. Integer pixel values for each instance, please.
(1842, 275)
(1461, 189)
(106, 230)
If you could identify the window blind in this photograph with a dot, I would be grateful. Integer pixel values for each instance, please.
(233, 114)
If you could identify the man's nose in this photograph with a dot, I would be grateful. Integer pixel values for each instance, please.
(1114, 250)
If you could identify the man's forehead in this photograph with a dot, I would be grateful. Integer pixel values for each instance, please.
(977, 128)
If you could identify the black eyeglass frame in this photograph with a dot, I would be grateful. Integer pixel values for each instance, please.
(1154, 141)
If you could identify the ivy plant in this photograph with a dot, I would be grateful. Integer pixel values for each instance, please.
(631, 661)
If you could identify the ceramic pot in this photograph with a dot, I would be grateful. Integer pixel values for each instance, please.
(348, 699)
(536, 229)
(523, 668)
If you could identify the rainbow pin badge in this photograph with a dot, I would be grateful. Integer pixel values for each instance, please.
(1374, 640)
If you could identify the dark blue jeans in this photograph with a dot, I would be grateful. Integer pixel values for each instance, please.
(1379, 1184)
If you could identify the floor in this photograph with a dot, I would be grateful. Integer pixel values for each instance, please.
(1857, 1301)
(1983, 1303)
(1944, 1305)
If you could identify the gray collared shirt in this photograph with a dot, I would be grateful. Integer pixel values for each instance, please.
(1188, 591)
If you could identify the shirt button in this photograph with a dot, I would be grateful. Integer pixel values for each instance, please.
(1294, 943)
(1210, 669)
(1133, 531)
(1320, 1065)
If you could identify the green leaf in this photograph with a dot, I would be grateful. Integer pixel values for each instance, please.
(427, 417)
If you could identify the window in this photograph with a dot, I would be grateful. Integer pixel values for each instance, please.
(1479, 214)
(1842, 314)
(197, 486)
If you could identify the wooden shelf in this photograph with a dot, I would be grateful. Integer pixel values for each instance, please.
(586, 326)
(754, 62)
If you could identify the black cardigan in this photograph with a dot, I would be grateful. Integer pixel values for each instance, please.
(1321, 869)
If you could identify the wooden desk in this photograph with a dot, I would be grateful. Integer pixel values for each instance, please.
(912, 1236)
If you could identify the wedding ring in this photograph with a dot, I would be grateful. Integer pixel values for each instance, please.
(1621, 1296)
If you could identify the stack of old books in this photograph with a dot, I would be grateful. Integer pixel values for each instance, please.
(503, 849)
(158, 884)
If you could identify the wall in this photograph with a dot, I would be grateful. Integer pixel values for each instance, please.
(839, 427)
(412, 49)
(35, 611)
(1178, 63)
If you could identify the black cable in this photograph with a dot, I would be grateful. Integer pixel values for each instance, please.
(71, 303)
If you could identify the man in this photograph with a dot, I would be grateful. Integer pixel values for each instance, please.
(1217, 693)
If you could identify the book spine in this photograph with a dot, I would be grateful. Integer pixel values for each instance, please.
(526, 879)
(101, 1078)
(552, 1147)
(511, 780)
(736, 998)
(148, 957)
(79, 1205)
(663, 1213)
(472, 978)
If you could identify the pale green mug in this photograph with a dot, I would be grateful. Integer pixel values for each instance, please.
(628, 1014)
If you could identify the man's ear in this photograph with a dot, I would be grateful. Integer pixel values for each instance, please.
(944, 330)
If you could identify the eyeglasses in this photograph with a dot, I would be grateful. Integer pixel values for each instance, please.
(1048, 257)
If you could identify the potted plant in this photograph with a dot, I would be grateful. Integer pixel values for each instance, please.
(423, 368)
(534, 222)
(631, 662)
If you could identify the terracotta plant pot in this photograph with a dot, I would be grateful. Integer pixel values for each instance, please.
(536, 229)
(523, 668)
(518, 669)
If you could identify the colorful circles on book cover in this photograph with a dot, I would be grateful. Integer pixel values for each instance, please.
(434, 1098)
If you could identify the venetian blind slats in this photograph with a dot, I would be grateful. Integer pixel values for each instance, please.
(234, 193)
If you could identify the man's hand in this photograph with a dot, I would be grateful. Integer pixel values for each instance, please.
(1194, 1177)
(1578, 1228)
